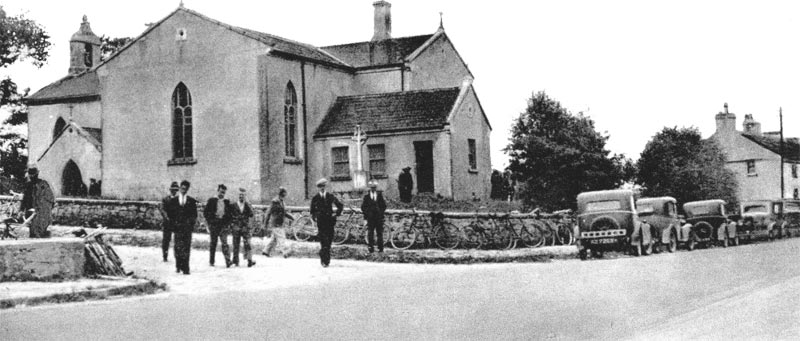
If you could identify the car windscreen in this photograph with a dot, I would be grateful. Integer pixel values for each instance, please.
(702, 210)
(645, 209)
(755, 209)
(609, 205)
(791, 207)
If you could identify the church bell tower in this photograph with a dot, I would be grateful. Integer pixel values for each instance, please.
(84, 47)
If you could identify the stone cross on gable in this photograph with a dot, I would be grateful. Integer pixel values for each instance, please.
(360, 138)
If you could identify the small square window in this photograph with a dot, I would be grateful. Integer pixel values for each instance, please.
(751, 167)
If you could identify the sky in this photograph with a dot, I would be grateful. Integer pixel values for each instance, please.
(634, 67)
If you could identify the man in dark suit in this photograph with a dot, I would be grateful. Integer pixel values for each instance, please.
(241, 214)
(322, 213)
(373, 206)
(182, 211)
(218, 218)
(166, 223)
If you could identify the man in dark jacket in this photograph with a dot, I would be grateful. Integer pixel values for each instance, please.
(373, 207)
(405, 184)
(241, 212)
(322, 213)
(218, 218)
(38, 199)
(182, 211)
(166, 223)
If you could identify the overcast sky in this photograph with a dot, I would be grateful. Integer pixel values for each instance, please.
(633, 66)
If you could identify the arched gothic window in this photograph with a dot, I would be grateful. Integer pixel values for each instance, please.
(181, 123)
(60, 124)
(290, 120)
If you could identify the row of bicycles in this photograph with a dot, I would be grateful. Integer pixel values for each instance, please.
(502, 231)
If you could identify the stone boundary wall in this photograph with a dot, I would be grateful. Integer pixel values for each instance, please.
(125, 214)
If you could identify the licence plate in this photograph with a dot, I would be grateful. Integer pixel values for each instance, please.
(603, 241)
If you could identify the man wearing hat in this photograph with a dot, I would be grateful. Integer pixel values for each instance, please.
(38, 199)
(405, 184)
(241, 213)
(373, 206)
(166, 223)
(322, 213)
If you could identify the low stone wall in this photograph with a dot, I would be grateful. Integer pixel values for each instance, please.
(41, 259)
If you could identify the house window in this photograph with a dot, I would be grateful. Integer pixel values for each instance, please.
(341, 162)
(181, 123)
(473, 156)
(794, 170)
(751, 167)
(377, 159)
(290, 120)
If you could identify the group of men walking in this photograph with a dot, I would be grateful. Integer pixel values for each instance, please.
(223, 218)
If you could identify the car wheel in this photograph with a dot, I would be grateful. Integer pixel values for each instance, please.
(673, 242)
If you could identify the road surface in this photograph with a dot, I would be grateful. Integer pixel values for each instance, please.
(744, 292)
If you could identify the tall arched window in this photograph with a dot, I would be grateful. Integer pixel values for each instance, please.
(181, 122)
(60, 124)
(290, 120)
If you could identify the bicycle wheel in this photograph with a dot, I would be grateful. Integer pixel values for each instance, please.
(564, 234)
(472, 235)
(403, 237)
(445, 236)
(304, 228)
(548, 231)
(341, 231)
(501, 238)
(540, 231)
(530, 236)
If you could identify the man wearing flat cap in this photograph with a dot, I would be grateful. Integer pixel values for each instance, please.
(373, 206)
(405, 184)
(166, 223)
(38, 199)
(322, 213)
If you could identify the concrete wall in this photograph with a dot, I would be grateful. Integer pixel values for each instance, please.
(70, 146)
(219, 68)
(438, 66)
(41, 259)
(42, 121)
(399, 151)
(469, 122)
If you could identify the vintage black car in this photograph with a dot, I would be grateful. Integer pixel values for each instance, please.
(770, 219)
(607, 220)
(662, 216)
(709, 224)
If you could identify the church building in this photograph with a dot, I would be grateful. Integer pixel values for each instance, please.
(198, 99)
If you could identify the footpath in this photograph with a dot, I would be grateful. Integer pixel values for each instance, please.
(141, 255)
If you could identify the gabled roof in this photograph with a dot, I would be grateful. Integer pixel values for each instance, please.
(374, 53)
(83, 87)
(791, 148)
(389, 112)
(91, 135)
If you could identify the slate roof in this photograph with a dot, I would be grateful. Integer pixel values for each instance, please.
(791, 147)
(72, 88)
(389, 112)
(359, 54)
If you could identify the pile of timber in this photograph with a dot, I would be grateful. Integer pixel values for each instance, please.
(100, 257)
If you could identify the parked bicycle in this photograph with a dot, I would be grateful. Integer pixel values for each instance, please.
(442, 233)
(510, 229)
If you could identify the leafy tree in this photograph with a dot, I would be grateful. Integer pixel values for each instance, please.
(109, 46)
(556, 155)
(679, 163)
(20, 39)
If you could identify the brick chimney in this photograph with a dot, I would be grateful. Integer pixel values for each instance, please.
(726, 122)
(750, 126)
(383, 20)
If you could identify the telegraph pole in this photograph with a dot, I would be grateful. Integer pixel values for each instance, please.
(780, 113)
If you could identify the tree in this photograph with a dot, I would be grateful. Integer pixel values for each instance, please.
(20, 39)
(679, 163)
(556, 155)
(109, 46)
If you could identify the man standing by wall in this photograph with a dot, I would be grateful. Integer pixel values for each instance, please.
(183, 212)
(405, 184)
(166, 224)
(241, 213)
(218, 217)
(373, 206)
(37, 199)
(323, 215)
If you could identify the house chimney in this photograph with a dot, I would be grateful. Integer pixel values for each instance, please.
(726, 122)
(750, 126)
(383, 20)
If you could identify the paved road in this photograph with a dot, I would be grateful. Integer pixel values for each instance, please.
(741, 292)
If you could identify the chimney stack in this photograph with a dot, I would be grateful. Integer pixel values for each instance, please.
(726, 122)
(383, 20)
(751, 126)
